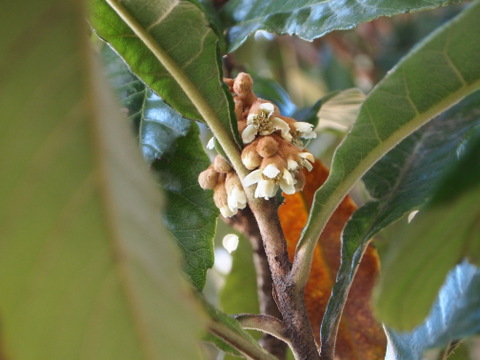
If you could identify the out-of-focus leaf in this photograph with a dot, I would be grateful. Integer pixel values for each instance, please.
(360, 335)
(239, 294)
(87, 271)
(226, 333)
(404, 179)
(455, 315)
(187, 77)
(190, 214)
(310, 19)
(423, 252)
(171, 144)
(401, 181)
(403, 101)
(270, 90)
(340, 110)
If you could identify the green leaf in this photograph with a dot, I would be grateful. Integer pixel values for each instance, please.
(190, 214)
(171, 144)
(444, 233)
(239, 294)
(229, 334)
(400, 182)
(171, 46)
(454, 316)
(408, 97)
(310, 19)
(87, 271)
(405, 178)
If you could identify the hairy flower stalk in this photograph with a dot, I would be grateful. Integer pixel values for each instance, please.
(274, 156)
(273, 151)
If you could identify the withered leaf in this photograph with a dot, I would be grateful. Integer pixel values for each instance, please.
(360, 335)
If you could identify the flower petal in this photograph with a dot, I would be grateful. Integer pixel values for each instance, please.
(307, 165)
(305, 130)
(287, 177)
(211, 143)
(301, 126)
(288, 189)
(251, 118)
(280, 124)
(248, 135)
(266, 189)
(226, 212)
(306, 155)
(253, 178)
(267, 107)
(236, 199)
(292, 165)
(271, 171)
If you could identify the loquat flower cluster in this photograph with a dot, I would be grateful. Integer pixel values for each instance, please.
(273, 151)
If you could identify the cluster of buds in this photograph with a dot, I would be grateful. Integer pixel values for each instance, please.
(228, 192)
(273, 151)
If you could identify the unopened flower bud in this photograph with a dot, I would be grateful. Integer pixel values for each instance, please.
(238, 108)
(250, 158)
(208, 178)
(221, 165)
(236, 198)
(300, 177)
(267, 146)
(243, 84)
(221, 200)
(229, 83)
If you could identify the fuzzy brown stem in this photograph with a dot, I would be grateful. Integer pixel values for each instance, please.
(245, 223)
(289, 298)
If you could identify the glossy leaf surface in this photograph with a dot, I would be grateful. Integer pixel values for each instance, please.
(310, 19)
(455, 315)
(409, 96)
(405, 178)
(171, 145)
(442, 234)
(147, 37)
(87, 271)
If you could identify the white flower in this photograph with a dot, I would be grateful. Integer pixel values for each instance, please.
(263, 123)
(266, 189)
(211, 143)
(292, 165)
(304, 130)
(306, 159)
(271, 171)
(268, 181)
(236, 199)
(226, 212)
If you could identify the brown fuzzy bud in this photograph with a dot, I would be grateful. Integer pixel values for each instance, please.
(221, 165)
(300, 177)
(208, 178)
(229, 83)
(241, 124)
(250, 158)
(243, 84)
(220, 199)
(267, 146)
(238, 108)
(242, 88)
